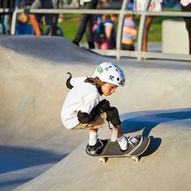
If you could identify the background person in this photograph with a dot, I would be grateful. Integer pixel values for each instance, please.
(5, 19)
(129, 34)
(155, 5)
(85, 24)
(50, 19)
(186, 6)
(110, 35)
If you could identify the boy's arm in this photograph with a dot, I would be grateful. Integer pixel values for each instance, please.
(102, 107)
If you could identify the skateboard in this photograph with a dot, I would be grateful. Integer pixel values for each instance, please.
(112, 150)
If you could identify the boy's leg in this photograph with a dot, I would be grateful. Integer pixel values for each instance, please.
(118, 135)
(116, 132)
(124, 142)
(94, 144)
(92, 137)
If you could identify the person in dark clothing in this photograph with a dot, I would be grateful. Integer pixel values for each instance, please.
(5, 19)
(86, 24)
(50, 19)
(186, 6)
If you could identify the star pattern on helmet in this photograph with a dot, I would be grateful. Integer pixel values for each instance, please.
(111, 77)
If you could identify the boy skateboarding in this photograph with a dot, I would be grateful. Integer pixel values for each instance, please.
(83, 108)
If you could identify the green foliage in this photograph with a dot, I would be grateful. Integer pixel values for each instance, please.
(70, 25)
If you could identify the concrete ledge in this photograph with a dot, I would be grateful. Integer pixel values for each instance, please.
(174, 37)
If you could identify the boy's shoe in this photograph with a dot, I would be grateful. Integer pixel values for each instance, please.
(133, 142)
(94, 149)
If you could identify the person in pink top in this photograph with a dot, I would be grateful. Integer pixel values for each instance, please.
(129, 33)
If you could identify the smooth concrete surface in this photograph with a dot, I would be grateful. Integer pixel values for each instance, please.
(155, 102)
(175, 37)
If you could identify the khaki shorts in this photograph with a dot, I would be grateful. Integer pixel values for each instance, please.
(96, 124)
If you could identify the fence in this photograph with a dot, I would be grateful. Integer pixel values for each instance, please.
(118, 53)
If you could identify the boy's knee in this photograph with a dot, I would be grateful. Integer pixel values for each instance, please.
(113, 116)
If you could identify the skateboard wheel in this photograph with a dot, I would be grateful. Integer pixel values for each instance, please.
(135, 158)
(103, 160)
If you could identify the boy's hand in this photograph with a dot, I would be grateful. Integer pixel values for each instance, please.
(104, 105)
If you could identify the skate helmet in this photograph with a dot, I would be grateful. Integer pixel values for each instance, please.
(111, 73)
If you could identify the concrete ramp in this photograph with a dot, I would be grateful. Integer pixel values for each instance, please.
(32, 91)
(166, 166)
(155, 102)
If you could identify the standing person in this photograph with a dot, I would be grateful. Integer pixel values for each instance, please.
(129, 33)
(186, 6)
(155, 5)
(98, 32)
(5, 19)
(50, 19)
(98, 29)
(85, 24)
(110, 36)
(83, 109)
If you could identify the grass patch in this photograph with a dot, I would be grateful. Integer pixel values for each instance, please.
(70, 26)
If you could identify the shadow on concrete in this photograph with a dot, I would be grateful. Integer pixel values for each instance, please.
(147, 120)
(153, 147)
(9, 185)
(16, 158)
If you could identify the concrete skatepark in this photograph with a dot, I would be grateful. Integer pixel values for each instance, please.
(38, 153)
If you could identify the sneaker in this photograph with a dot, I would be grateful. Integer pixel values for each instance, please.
(133, 142)
(94, 149)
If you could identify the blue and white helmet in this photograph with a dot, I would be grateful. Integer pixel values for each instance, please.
(111, 73)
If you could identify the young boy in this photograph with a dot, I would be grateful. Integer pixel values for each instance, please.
(83, 109)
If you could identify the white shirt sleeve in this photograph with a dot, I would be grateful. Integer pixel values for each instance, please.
(89, 102)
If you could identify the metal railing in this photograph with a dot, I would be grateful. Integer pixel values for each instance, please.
(118, 53)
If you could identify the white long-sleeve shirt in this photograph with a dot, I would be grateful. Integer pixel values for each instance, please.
(82, 97)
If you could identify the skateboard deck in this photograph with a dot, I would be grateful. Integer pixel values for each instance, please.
(112, 150)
